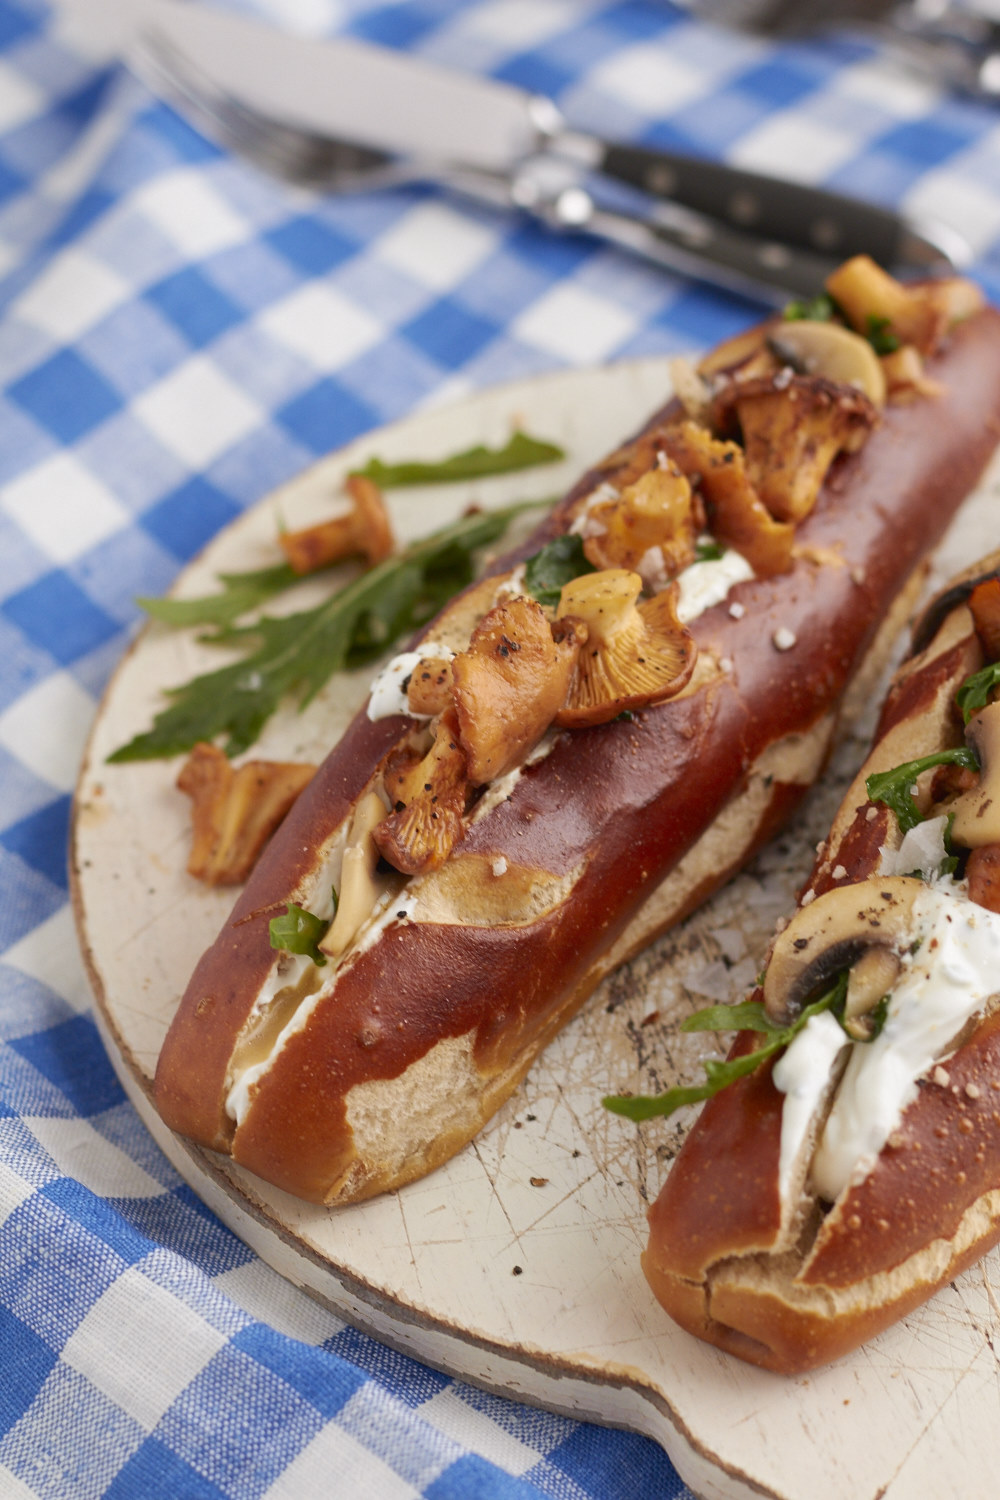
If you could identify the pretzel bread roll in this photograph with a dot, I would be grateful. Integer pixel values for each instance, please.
(745, 1250)
(339, 1082)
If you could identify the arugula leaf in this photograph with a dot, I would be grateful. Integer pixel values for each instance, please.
(823, 308)
(819, 309)
(299, 931)
(750, 1016)
(479, 462)
(708, 551)
(893, 787)
(877, 1018)
(878, 335)
(240, 593)
(296, 654)
(974, 693)
(558, 563)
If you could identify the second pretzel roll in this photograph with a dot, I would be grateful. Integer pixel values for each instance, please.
(345, 1080)
(778, 1242)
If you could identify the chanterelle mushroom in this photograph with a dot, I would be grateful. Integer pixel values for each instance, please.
(651, 528)
(365, 529)
(636, 654)
(976, 813)
(508, 685)
(793, 428)
(428, 691)
(738, 518)
(831, 933)
(235, 811)
(429, 797)
(872, 299)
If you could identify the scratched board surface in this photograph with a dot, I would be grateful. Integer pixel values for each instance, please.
(517, 1263)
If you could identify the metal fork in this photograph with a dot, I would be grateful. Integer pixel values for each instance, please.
(668, 234)
(285, 151)
(550, 188)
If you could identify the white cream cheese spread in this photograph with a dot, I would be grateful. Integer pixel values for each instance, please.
(706, 583)
(388, 691)
(802, 1074)
(944, 983)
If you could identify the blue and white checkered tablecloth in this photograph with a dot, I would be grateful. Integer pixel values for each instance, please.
(177, 336)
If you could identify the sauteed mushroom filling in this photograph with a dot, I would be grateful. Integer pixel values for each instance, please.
(921, 949)
(737, 469)
(635, 654)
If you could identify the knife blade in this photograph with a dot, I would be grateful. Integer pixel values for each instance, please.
(759, 234)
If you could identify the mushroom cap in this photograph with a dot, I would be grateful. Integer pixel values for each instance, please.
(429, 798)
(655, 511)
(739, 519)
(865, 293)
(234, 811)
(372, 529)
(976, 813)
(509, 684)
(636, 654)
(833, 351)
(365, 528)
(984, 602)
(793, 429)
(830, 933)
(428, 690)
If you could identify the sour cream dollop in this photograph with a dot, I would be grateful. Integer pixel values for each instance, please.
(942, 985)
(706, 583)
(388, 691)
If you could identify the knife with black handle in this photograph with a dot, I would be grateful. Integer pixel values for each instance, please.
(758, 234)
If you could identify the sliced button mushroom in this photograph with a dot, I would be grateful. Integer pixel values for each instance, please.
(746, 352)
(871, 978)
(833, 351)
(635, 654)
(365, 529)
(831, 934)
(976, 813)
(359, 886)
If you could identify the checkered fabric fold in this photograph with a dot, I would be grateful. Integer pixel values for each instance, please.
(177, 336)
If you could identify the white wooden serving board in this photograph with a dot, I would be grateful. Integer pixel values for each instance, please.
(516, 1265)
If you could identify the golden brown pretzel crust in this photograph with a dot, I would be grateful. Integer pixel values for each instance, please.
(611, 810)
(719, 1263)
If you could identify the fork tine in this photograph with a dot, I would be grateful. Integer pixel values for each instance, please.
(285, 151)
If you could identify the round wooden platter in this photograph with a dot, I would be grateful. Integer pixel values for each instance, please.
(516, 1265)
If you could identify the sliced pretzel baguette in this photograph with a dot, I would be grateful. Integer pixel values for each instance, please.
(373, 1071)
(782, 1279)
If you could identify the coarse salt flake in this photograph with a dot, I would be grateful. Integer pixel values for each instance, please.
(499, 866)
(737, 610)
(783, 639)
